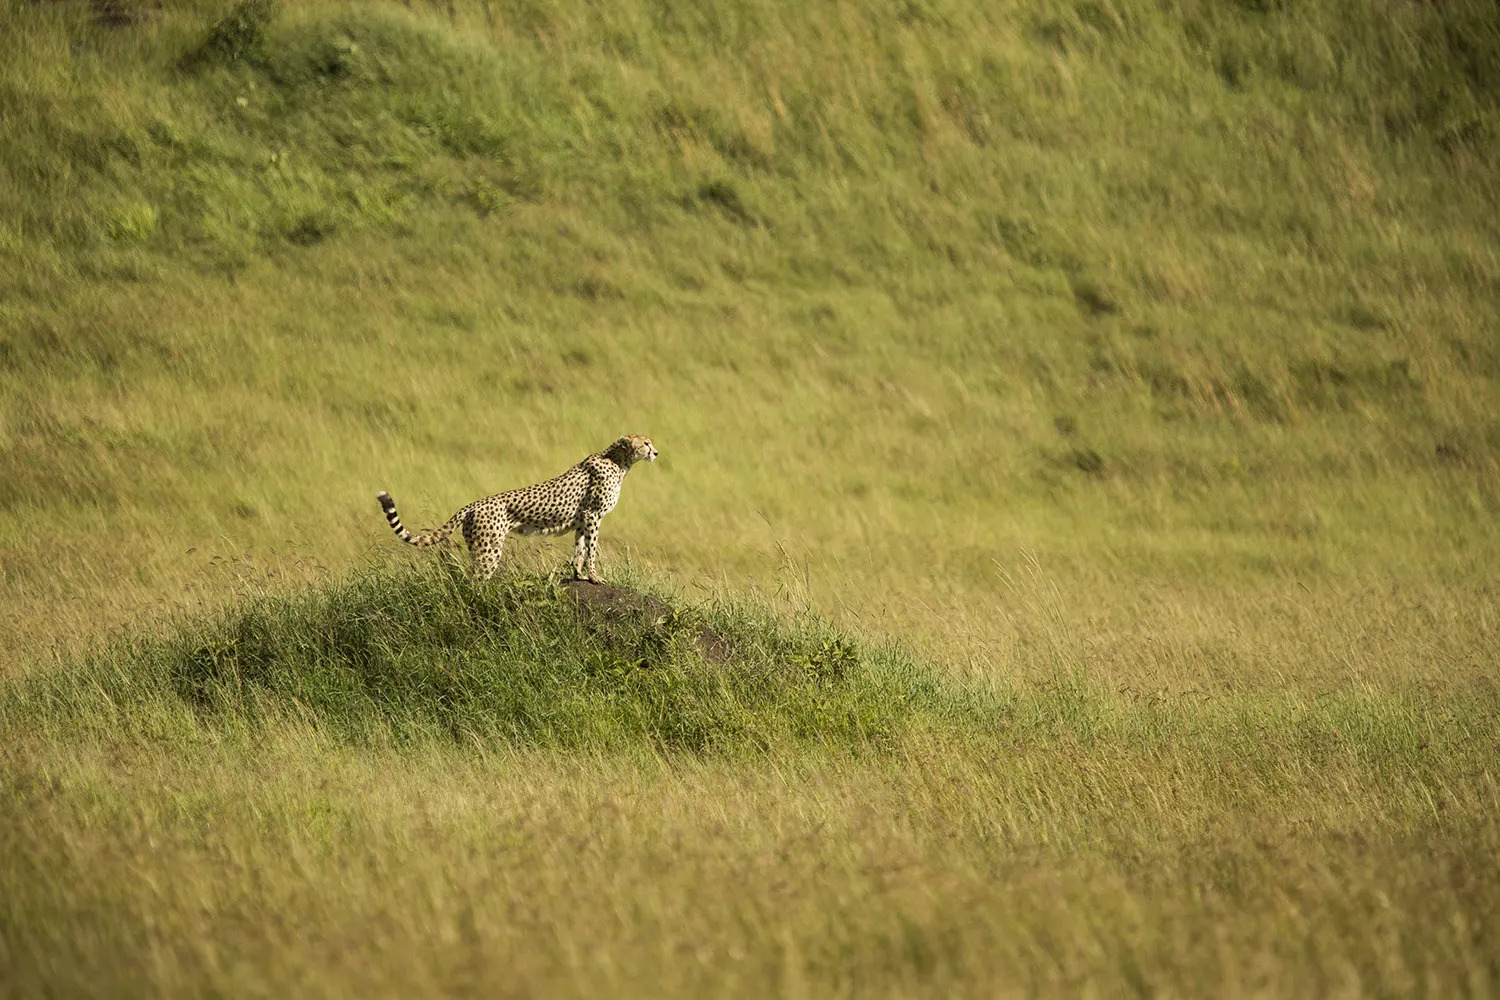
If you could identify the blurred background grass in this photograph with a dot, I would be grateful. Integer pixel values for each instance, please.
(1192, 292)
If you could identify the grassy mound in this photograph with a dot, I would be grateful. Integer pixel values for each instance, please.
(401, 657)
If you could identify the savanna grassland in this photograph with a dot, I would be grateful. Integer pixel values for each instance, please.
(1080, 432)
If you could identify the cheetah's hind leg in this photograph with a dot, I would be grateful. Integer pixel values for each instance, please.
(486, 544)
(580, 550)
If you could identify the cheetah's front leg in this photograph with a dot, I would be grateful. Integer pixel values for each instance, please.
(586, 548)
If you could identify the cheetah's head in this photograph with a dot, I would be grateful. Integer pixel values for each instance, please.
(633, 448)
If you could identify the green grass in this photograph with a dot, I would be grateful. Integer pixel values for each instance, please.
(401, 659)
(1081, 417)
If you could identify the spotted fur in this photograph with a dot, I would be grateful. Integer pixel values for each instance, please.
(574, 501)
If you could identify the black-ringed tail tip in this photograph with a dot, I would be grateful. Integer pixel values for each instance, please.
(389, 506)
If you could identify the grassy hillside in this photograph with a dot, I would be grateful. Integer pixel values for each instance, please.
(1133, 366)
(1198, 290)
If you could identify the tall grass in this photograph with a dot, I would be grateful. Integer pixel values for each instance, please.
(403, 783)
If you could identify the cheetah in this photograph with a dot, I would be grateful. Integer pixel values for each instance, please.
(574, 501)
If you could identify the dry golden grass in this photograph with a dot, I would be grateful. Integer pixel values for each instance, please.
(1056, 866)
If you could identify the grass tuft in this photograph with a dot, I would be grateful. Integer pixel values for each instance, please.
(239, 35)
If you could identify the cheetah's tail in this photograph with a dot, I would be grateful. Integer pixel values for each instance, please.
(421, 541)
